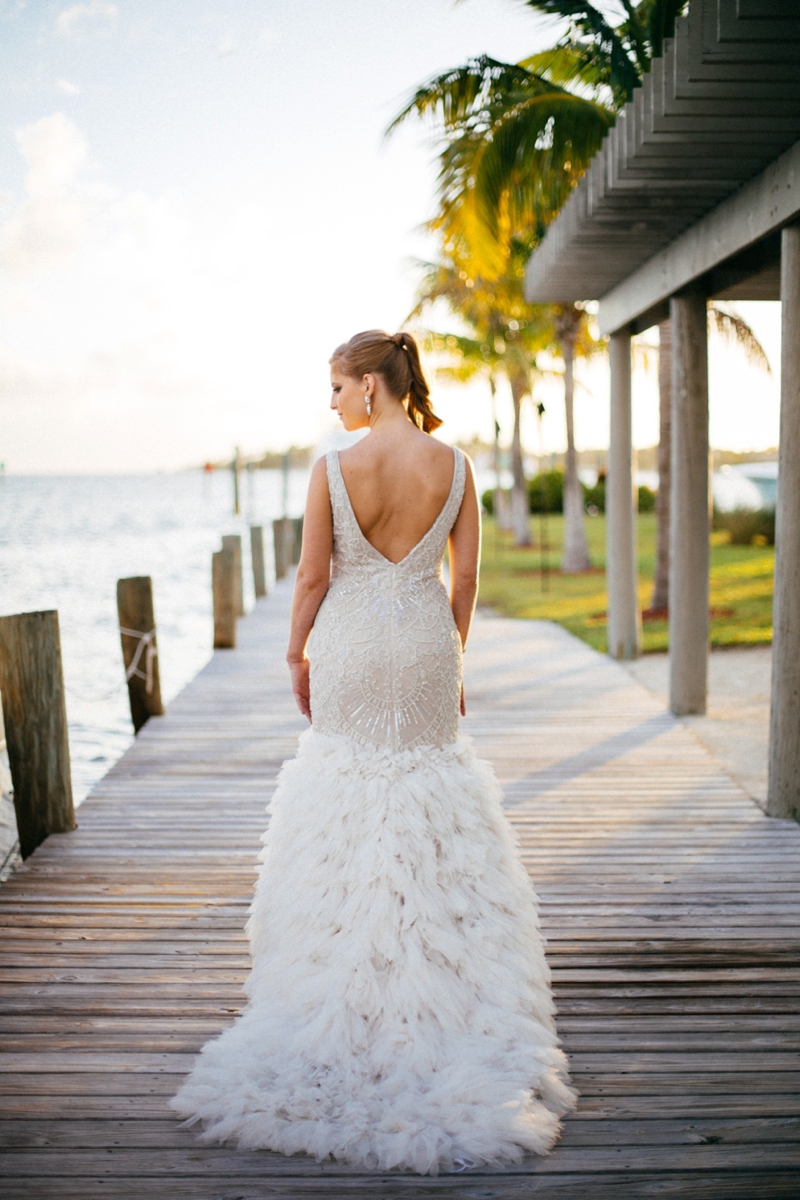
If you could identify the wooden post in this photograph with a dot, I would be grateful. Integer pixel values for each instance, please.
(233, 541)
(257, 557)
(689, 524)
(279, 541)
(661, 582)
(137, 631)
(223, 582)
(624, 619)
(783, 793)
(297, 539)
(32, 683)
(8, 818)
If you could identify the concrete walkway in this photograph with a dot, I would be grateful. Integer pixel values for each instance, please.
(736, 727)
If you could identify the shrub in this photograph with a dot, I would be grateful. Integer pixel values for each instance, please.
(748, 527)
(594, 498)
(546, 492)
(646, 499)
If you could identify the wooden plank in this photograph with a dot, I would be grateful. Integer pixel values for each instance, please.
(155, 1134)
(670, 903)
(744, 1185)
(209, 1160)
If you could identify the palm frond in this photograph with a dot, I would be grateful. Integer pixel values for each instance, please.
(734, 329)
(659, 17)
(460, 93)
(567, 65)
(536, 154)
(618, 53)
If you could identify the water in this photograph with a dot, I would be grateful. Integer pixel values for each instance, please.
(64, 542)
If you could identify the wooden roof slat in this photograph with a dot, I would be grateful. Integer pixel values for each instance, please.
(701, 125)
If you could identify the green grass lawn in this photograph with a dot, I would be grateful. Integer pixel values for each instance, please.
(511, 583)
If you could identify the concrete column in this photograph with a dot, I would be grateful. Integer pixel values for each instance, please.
(624, 620)
(689, 524)
(783, 796)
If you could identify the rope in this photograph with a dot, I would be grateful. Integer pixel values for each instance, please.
(145, 647)
(148, 648)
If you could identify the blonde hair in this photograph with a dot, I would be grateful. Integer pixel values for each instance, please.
(395, 357)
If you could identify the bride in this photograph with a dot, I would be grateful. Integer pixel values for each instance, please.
(399, 1009)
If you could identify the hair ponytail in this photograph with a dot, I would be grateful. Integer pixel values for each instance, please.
(420, 408)
(396, 359)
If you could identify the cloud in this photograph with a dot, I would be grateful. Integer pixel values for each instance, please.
(120, 306)
(9, 9)
(67, 88)
(53, 221)
(92, 18)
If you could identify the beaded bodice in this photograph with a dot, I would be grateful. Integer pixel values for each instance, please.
(385, 652)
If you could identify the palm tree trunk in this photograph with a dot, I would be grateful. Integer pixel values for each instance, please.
(576, 552)
(520, 506)
(661, 582)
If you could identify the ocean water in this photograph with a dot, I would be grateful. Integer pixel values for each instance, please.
(64, 542)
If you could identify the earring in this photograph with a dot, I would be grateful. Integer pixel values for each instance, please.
(368, 403)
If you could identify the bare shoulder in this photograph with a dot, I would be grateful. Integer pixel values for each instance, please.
(318, 482)
(319, 473)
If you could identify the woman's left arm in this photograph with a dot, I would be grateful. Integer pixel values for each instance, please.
(465, 549)
(311, 582)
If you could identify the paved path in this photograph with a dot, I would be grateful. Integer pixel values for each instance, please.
(736, 726)
(671, 904)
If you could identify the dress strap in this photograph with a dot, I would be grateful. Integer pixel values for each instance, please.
(336, 490)
(452, 507)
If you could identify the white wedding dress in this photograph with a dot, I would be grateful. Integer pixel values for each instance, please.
(399, 1009)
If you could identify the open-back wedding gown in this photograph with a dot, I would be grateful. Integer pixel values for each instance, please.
(399, 1008)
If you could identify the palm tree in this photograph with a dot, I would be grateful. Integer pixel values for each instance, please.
(513, 145)
(515, 137)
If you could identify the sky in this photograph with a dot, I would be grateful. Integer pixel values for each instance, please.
(197, 205)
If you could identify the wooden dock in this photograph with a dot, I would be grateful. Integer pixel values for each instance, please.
(671, 906)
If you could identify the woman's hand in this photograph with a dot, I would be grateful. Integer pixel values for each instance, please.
(300, 684)
(463, 702)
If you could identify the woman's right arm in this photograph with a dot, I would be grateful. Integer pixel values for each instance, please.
(311, 582)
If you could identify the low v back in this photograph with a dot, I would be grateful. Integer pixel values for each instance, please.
(385, 652)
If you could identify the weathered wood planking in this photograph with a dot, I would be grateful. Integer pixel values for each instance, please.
(670, 903)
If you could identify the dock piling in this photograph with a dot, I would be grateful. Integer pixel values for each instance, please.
(257, 556)
(137, 631)
(223, 581)
(283, 539)
(233, 541)
(32, 684)
(297, 539)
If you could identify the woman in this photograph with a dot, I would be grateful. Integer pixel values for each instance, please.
(399, 1008)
